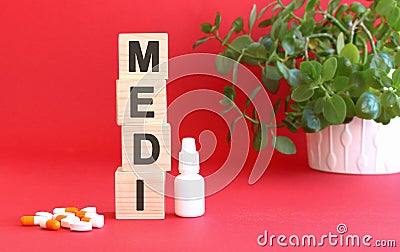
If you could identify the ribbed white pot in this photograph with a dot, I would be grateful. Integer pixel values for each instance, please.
(359, 147)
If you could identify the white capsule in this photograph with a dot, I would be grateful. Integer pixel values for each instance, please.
(65, 209)
(66, 222)
(89, 209)
(81, 226)
(45, 214)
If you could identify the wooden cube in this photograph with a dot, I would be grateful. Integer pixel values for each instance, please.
(143, 54)
(145, 146)
(141, 101)
(139, 195)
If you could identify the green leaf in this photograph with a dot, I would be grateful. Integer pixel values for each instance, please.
(397, 60)
(271, 73)
(344, 67)
(257, 50)
(283, 70)
(228, 36)
(367, 106)
(232, 127)
(310, 5)
(308, 71)
(383, 7)
(289, 46)
(302, 93)
(260, 140)
(238, 24)
(333, 5)
(351, 52)
(284, 145)
(319, 105)
(252, 95)
(276, 28)
(262, 11)
(241, 42)
(341, 9)
(235, 72)
(393, 16)
(265, 23)
(340, 42)
(200, 41)
(223, 64)
(396, 78)
(329, 68)
(359, 83)
(340, 83)
(388, 99)
(252, 18)
(227, 110)
(217, 21)
(226, 102)
(310, 121)
(295, 78)
(270, 78)
(206, 28)
(358, 8)
(271, 85)
(307, 27)
(299, 3)
(334, 109)
(350, 107)
(229, 92)
(384, 116)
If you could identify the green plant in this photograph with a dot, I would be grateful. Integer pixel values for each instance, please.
(336, 61)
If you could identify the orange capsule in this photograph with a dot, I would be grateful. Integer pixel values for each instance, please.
(60, 217)
(50, 224)
(80, 214)
(32, 220)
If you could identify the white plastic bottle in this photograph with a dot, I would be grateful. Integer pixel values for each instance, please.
(189, 185)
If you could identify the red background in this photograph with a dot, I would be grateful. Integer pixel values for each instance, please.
(59, 143)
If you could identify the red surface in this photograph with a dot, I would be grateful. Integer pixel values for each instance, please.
(60, 146)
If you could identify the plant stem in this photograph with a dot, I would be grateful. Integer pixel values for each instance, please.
(365, 48)
(306, 48)
(334, 20)
(370, 38)
(290, 12)
(353, 28)
(323, 35)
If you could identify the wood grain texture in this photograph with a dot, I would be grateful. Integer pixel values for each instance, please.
(162, 132)
(143, 38)
(159, 97)
(125, 194)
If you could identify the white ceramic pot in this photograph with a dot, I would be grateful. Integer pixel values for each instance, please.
(359, 147)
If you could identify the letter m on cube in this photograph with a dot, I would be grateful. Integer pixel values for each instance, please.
(143, 55)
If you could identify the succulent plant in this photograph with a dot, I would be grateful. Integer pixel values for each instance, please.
(337, 61)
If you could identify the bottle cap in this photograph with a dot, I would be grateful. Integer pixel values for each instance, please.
(189, 157)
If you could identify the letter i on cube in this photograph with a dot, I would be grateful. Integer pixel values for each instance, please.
(141, 111)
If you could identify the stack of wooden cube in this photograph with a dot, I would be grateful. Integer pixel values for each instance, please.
(146, 135)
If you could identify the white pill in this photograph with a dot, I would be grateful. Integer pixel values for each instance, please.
(95, 216)
(66, 222)
(67, 214)
(81, 226)
(45, 214)
(97, 222)
(89, 209)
